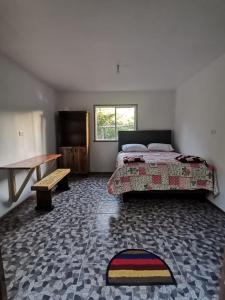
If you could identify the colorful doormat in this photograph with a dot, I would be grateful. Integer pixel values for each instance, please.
(138, 267)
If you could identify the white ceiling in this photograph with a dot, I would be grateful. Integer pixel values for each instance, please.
(76, 44)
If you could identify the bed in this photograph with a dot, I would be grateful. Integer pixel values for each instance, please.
(160, 171)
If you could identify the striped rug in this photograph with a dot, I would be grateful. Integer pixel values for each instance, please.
(138, 267)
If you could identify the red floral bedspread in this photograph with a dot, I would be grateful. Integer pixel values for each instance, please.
(161, 172)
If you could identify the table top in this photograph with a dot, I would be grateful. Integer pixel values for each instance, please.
(32, 162)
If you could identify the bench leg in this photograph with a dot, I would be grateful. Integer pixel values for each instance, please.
(63, 184)
(44, 200)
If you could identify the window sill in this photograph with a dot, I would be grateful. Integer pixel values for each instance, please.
(103, 141)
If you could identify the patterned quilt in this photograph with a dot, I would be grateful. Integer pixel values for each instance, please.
(161, 172)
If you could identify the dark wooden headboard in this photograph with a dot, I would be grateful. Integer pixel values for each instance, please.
(144, 137)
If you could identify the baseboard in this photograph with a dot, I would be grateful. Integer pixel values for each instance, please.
(100, 173)
(212, 201)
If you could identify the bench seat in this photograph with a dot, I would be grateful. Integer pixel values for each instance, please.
(48, 182)
(45, 185)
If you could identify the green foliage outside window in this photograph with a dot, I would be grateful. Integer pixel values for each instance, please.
(111, 119)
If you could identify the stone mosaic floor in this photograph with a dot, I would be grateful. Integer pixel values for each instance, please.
(64, 254)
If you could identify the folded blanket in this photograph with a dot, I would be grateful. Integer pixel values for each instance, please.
(190, 159)
(132, 159)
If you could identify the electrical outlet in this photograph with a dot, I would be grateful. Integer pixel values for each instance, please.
(21, 133)
(213, 131)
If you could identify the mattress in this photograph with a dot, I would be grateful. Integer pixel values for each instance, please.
(160, 171)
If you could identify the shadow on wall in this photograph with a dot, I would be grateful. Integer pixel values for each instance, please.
(22, 135)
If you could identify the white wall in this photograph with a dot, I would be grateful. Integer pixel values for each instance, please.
(155, 111)
(25, 104)
(200, 110)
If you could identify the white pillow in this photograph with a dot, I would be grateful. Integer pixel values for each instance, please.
(160, 147)
(134, 148)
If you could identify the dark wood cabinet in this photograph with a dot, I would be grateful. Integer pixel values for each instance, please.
(74, 140)
(83, 159)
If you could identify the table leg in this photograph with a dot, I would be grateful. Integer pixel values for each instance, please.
(27, 178)
(13, 194)
(38, 172)
(12, 185)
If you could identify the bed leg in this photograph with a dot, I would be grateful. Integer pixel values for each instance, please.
(125, 197)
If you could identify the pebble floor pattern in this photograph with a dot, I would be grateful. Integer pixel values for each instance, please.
(64, 254)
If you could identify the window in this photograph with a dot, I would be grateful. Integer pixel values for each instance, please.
(113, 118)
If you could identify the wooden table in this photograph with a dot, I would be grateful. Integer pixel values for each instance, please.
(31, 165)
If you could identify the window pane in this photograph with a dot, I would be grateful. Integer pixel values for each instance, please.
(111, 119)
(105, 123)
(125, 119)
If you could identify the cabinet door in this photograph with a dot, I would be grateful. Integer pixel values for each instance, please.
(66, 161)
(75, 164)
(83, 160)
(75, 158)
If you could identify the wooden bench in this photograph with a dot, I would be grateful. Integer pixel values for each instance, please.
(43, 188)
(30, 165)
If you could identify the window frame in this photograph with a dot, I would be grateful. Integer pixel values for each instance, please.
(135, 106)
